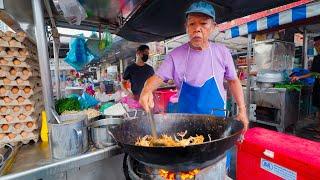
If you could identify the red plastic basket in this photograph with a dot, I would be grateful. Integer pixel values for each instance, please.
(161, 99)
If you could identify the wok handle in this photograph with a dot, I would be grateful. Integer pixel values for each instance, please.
(228, 113)
(134, 116)
(219, 109)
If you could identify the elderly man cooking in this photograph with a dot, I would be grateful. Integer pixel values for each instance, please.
(199, 69)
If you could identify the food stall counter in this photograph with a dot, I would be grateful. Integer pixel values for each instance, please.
(34, 161)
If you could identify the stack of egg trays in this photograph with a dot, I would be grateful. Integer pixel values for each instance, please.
(20, 89)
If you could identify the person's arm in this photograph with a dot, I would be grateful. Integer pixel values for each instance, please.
(146, 96)
(125, 87)
(237, 92)
(313, 69)
(124, 84)
(297, 78)
(125, 81)
(164, 73)
(235, 88)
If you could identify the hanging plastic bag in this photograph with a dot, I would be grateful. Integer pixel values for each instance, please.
(72, 10)
(106, 41)
(78, 56)
(93, 46)
(99, 47)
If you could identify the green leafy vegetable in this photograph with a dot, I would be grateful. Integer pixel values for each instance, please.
(290, 86)
(315, 74)
(67, 104)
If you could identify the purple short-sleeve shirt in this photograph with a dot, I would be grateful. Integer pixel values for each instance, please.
(201, 66)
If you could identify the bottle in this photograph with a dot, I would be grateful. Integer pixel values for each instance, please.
(44, 127)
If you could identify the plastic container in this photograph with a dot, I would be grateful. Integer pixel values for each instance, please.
(162, 98)
(44, 127)
(266, 154)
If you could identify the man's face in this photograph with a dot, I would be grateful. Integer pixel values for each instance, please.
(317, 46)
(145, 52)
(199, 28)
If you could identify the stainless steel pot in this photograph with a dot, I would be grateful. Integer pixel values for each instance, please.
(129, 116)
(99, 131)
(70, 137)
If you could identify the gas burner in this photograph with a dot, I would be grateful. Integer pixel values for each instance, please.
(134, 170)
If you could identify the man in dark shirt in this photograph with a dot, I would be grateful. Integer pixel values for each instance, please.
(316, 87)
(138, 72)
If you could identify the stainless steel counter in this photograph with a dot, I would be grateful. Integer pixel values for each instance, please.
(35, 161)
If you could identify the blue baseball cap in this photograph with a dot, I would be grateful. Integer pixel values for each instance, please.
(202, 7)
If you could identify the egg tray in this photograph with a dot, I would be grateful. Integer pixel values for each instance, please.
(19, 57)
(8, 62)
(8, 35)
(7, 68)
(12, 43)
(11, 58)
(4, 73)
(36, 98)
(32, 136)
(14, 52)
(35, 109)
(33, 113)
(22, 76)
(15, 96)
(26, 63)
(32, 82)
(19, 37)
(9, 111)
(8, 90)
(23, 127)
(16, 76)
(15, 118)
(21, 92)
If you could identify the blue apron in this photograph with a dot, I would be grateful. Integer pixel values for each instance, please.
(202, 100)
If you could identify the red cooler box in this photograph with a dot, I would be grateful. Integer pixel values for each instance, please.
(266, 154)
(161, 99)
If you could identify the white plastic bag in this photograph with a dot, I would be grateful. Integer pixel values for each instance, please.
(115, 110)
(72, 10)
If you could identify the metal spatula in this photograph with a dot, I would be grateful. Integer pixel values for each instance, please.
(153, 124)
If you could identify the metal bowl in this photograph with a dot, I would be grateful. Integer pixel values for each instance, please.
(99, 131)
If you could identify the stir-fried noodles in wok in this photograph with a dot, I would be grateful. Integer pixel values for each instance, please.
(165, 140)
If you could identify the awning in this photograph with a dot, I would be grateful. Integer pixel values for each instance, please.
(157, 20)
(295, 14)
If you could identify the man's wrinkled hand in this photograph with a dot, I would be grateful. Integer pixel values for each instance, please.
(242, 116)
(146, 101)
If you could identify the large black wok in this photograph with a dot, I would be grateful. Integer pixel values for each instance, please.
(224, 133)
